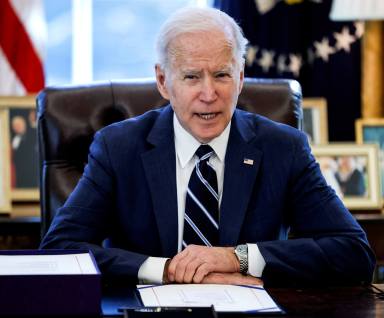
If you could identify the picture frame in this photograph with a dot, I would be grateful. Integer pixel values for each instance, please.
(315, 119)
(371, 130)
(5, 180)
(22, 143)
(352, 171)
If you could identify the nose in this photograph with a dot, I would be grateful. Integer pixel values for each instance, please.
(208, 92)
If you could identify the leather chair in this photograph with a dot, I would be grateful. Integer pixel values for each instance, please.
(68, 117)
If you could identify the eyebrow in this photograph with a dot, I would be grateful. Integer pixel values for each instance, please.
(226, 68)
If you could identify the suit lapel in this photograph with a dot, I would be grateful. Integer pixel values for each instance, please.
(160, 170)
(242, 162)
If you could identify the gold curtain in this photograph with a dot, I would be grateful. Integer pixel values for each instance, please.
(372, 93)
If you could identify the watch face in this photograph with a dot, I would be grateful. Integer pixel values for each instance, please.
(242, 249)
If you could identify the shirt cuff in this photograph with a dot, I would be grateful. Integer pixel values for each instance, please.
(256, 262)
(151, 271)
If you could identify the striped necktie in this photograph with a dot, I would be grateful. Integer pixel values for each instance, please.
(201, 218)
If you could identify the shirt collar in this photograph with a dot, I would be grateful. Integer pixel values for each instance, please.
(186, 145)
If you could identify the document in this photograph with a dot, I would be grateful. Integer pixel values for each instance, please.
(225, 298)
(67, 264)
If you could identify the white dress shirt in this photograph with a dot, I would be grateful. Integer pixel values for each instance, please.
(151, 271)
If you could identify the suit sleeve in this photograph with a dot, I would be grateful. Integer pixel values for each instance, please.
(85, 219)
(327, 246)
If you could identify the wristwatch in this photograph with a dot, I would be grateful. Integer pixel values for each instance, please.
(241, 252)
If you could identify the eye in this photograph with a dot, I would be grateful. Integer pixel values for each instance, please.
(190, 76)
(223, 75)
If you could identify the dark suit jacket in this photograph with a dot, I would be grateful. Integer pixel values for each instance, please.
(128, 194)
(25, 159)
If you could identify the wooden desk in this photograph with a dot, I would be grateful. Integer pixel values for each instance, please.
(364, 302)
(373, 225)
(21, 232)
(21, 225)
(351, 302)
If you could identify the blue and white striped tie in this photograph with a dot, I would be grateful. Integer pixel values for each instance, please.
(201, 218)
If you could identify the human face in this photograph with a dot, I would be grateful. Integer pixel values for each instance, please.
(19, 125)
(202, 82)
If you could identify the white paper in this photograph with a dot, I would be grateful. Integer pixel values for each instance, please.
(67, 264)
(223, 297)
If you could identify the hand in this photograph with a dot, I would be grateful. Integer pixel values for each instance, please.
(231, 279)
(165, 272)
(195, 262)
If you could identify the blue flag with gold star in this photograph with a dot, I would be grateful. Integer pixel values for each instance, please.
(296, 39)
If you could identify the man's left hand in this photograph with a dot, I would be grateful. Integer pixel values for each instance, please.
(195, 262)
(231, 279)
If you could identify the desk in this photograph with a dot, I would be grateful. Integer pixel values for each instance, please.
(21, 232)
(351, 302)
(20, 225)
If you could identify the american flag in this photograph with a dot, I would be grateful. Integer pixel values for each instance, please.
(22, 38)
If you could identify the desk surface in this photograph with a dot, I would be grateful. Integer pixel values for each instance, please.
(351, 302)
(332, 302)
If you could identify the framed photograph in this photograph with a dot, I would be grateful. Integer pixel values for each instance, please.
(315, 120)
(24, 162)
(371, 130)
(352, 171)
(5, 180)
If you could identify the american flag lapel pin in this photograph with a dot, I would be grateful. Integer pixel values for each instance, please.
(248, 161)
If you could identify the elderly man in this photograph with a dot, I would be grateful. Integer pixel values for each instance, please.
(201, 192)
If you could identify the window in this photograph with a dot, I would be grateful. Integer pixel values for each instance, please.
(92, 40)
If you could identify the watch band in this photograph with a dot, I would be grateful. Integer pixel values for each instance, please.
(241, 252)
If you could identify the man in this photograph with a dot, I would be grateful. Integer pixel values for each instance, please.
(24, 152)
(143, 185)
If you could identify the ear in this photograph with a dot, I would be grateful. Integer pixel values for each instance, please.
(161, 83)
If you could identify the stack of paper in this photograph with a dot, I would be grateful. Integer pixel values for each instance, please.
(225, 298)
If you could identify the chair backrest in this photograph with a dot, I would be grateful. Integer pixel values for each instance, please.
(68, 117)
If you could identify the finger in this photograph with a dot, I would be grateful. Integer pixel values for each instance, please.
(181, 268)
(202, 271)
(191, 270)
(231, 278)
(191, 251)
(250, 280)
(214, 278)
(173, 264)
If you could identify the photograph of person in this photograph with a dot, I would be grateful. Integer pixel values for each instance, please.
(351, 175)
(371, 130)
(315, 120)
(352, 171)
(308, 124)
(23, 145)
(345, 174)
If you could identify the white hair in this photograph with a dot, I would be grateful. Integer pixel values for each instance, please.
(195, 19)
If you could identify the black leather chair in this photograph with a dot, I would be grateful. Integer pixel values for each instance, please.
(68, 117)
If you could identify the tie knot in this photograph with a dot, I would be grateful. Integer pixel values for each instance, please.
(204, 152)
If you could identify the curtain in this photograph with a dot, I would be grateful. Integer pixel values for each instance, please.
(373, 70)
(296, 39)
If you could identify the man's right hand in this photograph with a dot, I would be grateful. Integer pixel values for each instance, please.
(165, 272)
(196, 261)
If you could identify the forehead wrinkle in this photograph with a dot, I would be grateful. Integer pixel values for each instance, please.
(181, 51)
(184, 47)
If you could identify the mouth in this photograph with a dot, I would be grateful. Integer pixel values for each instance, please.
(207, 116)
